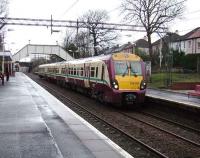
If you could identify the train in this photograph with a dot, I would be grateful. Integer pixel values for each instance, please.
(117, 78)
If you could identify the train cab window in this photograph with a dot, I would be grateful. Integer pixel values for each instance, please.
(121, 68)
(96, 72)
(92, 71)
(136, 68)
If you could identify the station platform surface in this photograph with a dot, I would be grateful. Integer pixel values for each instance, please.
(33, 123)
(180, 96)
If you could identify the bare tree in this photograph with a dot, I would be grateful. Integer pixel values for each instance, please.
(82, 41)
(152, 14)
(77, 44)
(100, 37)
(3, 11)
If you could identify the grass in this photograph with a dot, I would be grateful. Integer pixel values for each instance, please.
(158, 80)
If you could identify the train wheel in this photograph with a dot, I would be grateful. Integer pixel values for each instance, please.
(100, 97)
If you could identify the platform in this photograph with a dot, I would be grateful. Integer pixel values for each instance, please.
(180, 97)
(33, 123)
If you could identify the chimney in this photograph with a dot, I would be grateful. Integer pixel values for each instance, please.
(177, 32)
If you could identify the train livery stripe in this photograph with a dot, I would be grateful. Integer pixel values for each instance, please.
(77, 77)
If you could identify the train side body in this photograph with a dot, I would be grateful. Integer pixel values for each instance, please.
(116, 78)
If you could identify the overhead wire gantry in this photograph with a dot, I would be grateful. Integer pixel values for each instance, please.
(68, 23)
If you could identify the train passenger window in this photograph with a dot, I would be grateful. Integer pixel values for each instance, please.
(71, 71)
(102, 73)
(63, 71)
(66, 70)
(81, 71)
(96, 72)
(75, 71)
(92, 71)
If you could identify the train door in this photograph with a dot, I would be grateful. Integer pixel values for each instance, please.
(87, 76)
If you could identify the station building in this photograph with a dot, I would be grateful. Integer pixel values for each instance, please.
(6, 62)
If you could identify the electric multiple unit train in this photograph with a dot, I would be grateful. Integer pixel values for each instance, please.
(115, 78)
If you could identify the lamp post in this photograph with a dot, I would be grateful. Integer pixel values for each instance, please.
(3, 54)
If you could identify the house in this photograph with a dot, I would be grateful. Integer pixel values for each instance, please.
(126, 48)
(168, 40)
(188, 43)
(142, 45)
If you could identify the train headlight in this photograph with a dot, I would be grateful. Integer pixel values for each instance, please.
(143, 85)
(115, 84)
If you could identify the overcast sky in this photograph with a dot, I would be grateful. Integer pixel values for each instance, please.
(71, 10)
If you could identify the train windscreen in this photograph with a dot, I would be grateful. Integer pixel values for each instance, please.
(135, 68)
(124, 67)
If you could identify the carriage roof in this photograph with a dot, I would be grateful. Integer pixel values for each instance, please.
(115, 56)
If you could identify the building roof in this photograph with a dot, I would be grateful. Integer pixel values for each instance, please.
(7, 56)
(192, 34)
(170, 37)
(142, 43)
(117, 48)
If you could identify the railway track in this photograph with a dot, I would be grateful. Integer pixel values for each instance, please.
(164, 130)
(122, 132)
(189, 128)
(149, 151)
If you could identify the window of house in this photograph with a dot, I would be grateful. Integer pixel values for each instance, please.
(177, 47)
(189, 44)
(198, 45)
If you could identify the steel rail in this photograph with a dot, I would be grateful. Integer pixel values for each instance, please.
(172, 122)
(159, 128)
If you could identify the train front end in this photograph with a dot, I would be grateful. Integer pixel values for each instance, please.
(128, 78)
